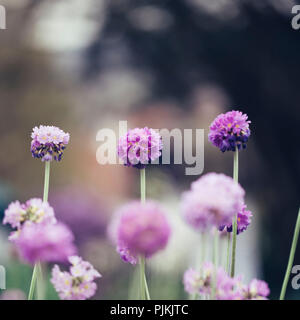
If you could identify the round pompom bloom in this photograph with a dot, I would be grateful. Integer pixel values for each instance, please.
(45, 242)
(213, 200)
(139, 147)
(48, 143)
(243, 221)
(143, 228)
(78, 283)
(33, 211)
(230, 131)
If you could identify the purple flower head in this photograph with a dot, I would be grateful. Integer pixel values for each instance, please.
(230, 131)
(33, 211)
(243, 221)
(257, 290)
(213, 200)
(78, 283)
(48, 143)
(139, 147)
(143, 228)
(45, 242)
(126, 255)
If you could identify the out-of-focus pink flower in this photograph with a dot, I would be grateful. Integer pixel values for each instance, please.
(45, 243)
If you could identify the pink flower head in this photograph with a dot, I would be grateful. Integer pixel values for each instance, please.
(33, 211)
(48, 143)
(243, 221)
(257, 290)
(230, 131)
(78, 283)
(126, 255)
(45, 242)
(143, 228)
(139, 147)
(213, 200)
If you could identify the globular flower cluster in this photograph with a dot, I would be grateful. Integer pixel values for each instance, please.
(45, 243)
(143, 230)
(213, 200)
(227, 288)
(230, 131)
(78, 283)
(33, 211)
(139, 147)
(48, 143)
(243, 221)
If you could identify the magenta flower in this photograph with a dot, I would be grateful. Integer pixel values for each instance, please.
(257, 290)
(143, 228)
(213, 200)
(243, 221)
(230, 131)
(45, 242)
(126, 255)
(33, 211)
(78, 283)
(48, 143)
(139, 147)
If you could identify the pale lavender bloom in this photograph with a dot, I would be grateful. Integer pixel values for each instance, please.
(48, 143)
(213, 200)
(257, 290)
(14, 214)
(230, 131)
(192, 281)
(78, 283)
(139, 147)
(143, 228)
(45, 243)
(13, 294)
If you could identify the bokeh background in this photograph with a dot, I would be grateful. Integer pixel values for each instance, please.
(85, 65)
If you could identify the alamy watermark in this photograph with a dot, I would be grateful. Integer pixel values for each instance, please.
(2, 278)
(2, 18)
(296, 19)
(188, 147)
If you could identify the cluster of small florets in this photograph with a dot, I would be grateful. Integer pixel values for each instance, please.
(227, 288)
(33, 211)
(230, 131)
(48, 143)
(139, 147)
(78, 283)
(213, 200)
(243, 221)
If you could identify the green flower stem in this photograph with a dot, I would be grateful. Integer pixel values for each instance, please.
(203, 247)
(291, 258)
(228, 252)
(215, 262)
(234, 222)
(144, 291)
(37, 273)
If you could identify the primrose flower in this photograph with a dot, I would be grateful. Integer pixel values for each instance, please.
(213, 200)
(243, 221)
(257, 290)
(139, 147)
(45, 242)
(230, 131)
(126, 255)
(48, 143)
(33, 211)
(78, 283)
(143, 228)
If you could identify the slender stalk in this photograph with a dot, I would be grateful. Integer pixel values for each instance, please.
(234, 222)
(228, 253)
(37, 268)
(143, 281)
(291, 258)
(215, 262)
(203, 247)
